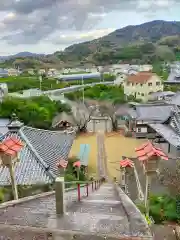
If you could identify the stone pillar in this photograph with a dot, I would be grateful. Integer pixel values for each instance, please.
(59, 193)
(169, 147)
(123, 175)
(148, 186)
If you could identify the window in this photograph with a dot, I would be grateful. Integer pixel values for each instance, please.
(158, 83)
(142, 94)
(132, 84)
(150, 84)
(139, 129)
(141, 84)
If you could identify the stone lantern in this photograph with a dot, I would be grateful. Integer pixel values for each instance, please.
(14, 124)
(9, 150)
(125, 164)
(77, 164)
(62, 165)
(150, 156)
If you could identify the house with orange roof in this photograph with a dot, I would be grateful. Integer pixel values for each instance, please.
(142, 85)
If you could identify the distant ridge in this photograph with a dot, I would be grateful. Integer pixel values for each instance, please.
(21, 54)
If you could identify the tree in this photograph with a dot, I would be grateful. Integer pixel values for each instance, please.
(107, 109)
(82, 117)
(36, 112)
(170, 177)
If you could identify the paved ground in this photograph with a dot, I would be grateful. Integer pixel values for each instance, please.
(101, 214)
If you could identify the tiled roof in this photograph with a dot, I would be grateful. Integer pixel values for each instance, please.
(141, 77)
(63, 117)
(175, 99)
(154, 112)
(173, 77)
(151, 113)
(162, 94)
(39, 156)
(167, 133)
(148, 150)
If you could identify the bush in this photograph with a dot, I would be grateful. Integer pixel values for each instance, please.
(1, 195)
(69, 177)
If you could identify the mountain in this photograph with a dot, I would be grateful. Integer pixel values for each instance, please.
(20, 55)
(144, 43)
(161, 37)
(134, 34)
(146, 32)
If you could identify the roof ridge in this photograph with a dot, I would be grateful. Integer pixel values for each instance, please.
(45, 165)
(44, 130)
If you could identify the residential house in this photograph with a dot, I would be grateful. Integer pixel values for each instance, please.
(145, 68)
(31, 71)
(174, 76)
(120, 79)
(3, 90)
(3, 73)
(42, 71)
(40, 154)
(170, 132)
(138, 118)
(34, 92)
(13, 72)
(142, 85)
(167, 95)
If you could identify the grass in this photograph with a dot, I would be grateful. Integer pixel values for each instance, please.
(16, 84)
(116, 147)
(19, 83)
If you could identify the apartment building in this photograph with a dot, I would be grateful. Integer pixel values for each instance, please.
(142, 85)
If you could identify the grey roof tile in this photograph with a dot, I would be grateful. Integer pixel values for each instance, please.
(175, 99)
(38, 157)
(132, 112)
(154, 112)
(162, 94)
(50, 146)
(167, 133)
(28, 171)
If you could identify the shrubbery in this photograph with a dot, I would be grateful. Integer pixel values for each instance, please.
(162, 208)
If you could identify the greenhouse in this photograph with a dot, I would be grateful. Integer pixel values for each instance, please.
(83, 76)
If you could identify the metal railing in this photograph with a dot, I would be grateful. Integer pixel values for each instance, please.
(84, 188)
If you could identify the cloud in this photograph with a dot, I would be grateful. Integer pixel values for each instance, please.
(30, 21)
(75, 37)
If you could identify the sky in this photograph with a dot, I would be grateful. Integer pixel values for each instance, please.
(46, 26)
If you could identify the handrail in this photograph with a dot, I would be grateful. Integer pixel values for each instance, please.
(87, 184)
(140, 192)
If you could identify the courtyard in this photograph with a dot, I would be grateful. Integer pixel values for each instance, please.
(116, 147)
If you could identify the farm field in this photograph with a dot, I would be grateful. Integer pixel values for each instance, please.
(116, 147)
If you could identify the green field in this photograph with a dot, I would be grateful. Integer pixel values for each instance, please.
(19, 83)
(178, 56)
(16, 84)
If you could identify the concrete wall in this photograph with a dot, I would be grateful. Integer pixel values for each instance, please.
(95, 125)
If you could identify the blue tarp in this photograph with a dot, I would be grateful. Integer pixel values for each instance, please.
(84, 154)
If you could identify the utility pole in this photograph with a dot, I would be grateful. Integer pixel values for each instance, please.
(40, 82)
(82, 82)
